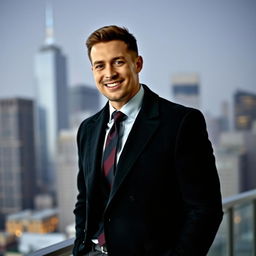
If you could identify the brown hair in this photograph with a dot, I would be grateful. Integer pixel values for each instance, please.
(109, 33)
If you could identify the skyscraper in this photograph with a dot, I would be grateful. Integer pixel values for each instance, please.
(186, 89)
(244, 143)
(217, 125)
(67, 169)
(84, 101)
(244, 110)
(52, 102)
(231, 166)
(17, 155)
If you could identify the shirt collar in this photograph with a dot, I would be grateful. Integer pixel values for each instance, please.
(132, 107)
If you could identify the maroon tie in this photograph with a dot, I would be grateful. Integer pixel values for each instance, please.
(109, 156)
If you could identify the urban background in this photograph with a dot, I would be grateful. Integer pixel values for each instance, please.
(197, 53)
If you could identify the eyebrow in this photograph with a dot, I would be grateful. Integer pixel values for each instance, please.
(101, 61)
(97, 62)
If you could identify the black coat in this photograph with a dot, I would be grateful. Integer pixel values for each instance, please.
(165, 199)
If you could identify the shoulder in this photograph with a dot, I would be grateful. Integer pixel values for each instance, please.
(168, 109)
(90, 121)
(173, 117)
(178, 110)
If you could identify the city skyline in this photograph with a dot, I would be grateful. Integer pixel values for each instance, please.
(215, 39)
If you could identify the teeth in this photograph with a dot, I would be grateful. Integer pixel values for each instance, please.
(112, 85)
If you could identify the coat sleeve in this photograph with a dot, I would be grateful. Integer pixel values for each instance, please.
(80, 206)
(199, 187)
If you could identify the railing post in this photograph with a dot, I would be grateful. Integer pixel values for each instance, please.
(254, 226)
(230, 228)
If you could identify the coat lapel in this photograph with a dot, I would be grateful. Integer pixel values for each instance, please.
(143, 129)
(96, 133)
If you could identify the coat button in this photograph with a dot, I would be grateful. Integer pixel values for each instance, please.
(109, 220)
(131, 198)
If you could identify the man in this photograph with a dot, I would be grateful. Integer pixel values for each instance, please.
(147, 179)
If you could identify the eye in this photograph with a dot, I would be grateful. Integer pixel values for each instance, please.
(118, 63)
(98, 66)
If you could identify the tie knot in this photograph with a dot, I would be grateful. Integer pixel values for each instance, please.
(118, 116)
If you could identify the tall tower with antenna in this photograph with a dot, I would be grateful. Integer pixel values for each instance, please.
(52, 107)
(49, 32)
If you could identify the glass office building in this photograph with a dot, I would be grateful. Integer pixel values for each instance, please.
(186, 89)
(52, 102)
(84, 101)
(244, 110)
(17, 156)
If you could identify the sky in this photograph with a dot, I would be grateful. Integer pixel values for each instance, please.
(214, 38)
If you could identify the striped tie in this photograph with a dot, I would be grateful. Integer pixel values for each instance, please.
(109, 157)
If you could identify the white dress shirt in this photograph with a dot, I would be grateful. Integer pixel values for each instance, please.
(131, 110)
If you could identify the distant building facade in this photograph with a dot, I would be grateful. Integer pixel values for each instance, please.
(17, 155)
(186, 89)
(231, 166)
(67, 168)
(8, 242)
(213, 128)
(217, 125)
(244, 110)
(84, 101)
(239, 145)
(38, 222)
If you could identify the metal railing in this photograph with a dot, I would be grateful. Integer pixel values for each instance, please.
(63, 248)
(237, 233)
(236, 236)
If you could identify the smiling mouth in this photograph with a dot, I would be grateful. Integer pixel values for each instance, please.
(112, 85)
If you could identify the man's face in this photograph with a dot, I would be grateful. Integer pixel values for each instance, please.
(115, 70)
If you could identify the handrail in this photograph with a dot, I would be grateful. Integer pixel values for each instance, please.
(241, 198)
(64, 248)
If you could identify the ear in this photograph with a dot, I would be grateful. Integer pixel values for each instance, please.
(139, 63)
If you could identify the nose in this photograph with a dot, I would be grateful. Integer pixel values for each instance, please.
(110, 72)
